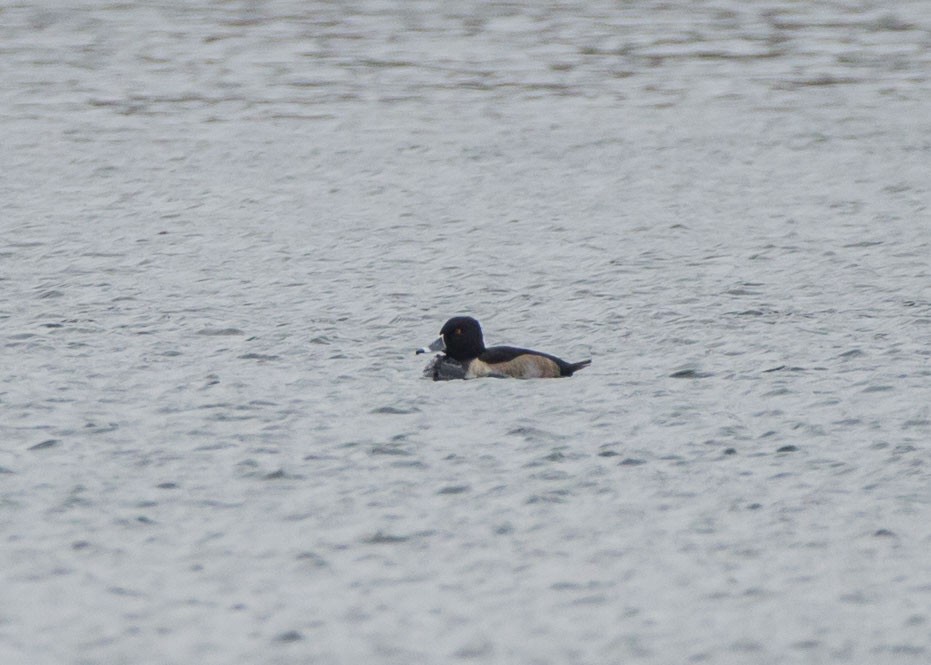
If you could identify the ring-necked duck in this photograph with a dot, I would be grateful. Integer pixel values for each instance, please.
(467, 358)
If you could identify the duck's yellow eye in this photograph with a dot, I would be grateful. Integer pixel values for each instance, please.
(458, 331)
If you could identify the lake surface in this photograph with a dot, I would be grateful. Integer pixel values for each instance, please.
(226, 226)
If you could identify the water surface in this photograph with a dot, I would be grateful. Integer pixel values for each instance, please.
(225, 227)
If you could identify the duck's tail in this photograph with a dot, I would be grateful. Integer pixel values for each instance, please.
(571, 368)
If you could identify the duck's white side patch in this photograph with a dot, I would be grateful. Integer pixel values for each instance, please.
(526, 366)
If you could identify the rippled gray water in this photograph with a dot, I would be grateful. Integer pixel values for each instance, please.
(225, 226)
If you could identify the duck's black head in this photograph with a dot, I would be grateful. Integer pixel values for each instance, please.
(462, 336)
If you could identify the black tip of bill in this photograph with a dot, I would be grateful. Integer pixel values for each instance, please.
(437, 345)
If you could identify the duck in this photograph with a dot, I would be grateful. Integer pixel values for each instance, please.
(467, 357)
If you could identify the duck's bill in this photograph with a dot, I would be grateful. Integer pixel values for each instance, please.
(438, 345)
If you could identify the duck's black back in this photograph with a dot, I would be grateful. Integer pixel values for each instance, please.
(503, 354)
